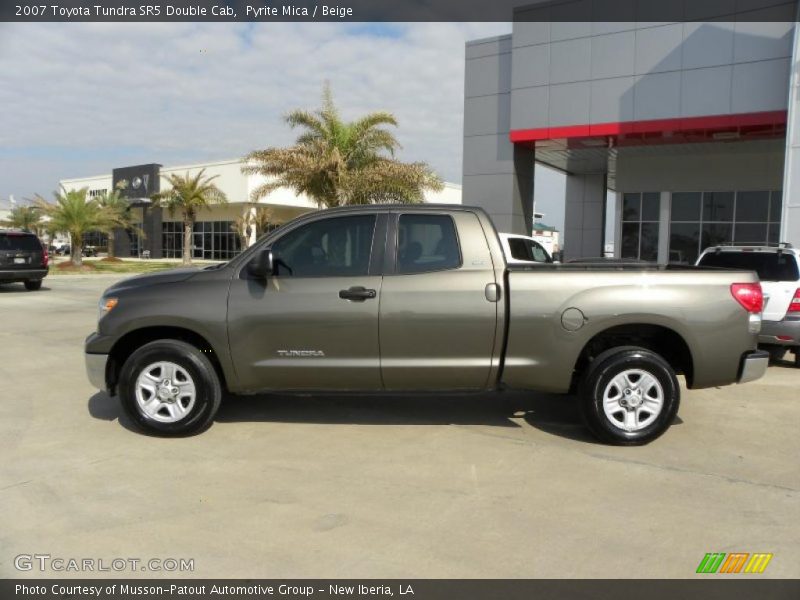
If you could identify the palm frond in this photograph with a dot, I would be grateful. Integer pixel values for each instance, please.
(335, 162)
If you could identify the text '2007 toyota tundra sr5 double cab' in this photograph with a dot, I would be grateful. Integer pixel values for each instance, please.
(406, 298)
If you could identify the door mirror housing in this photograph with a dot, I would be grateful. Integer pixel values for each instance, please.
(262, 265)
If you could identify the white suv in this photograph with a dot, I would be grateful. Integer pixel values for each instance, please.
(778, 269)
(523, 249)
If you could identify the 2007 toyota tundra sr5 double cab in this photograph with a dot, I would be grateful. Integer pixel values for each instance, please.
(419, 298)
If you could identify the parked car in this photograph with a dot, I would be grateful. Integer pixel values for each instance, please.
(523, 249)
(779, 272)
(23, 258)
(420, 299)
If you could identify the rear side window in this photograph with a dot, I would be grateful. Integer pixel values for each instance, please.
(519, 249)
(426, 243)
(527, 250)
(19, 243)
(769, 266)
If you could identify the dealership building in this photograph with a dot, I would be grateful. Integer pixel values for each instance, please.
(214, 235)
(692, 124)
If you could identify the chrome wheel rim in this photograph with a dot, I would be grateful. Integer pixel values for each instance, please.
(633, 399)
(165, 392)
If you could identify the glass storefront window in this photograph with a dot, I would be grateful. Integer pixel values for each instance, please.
(686, 206)
(631, 207)
(211, 240)
(703, 219)
(683, 241)
(651, 205)
(717, 206)
(640, 213)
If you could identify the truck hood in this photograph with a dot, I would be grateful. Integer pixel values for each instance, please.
(170, 276)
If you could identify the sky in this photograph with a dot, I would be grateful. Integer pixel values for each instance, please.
(79, 99)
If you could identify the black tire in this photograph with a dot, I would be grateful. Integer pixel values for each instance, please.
(797, 356)
(598, 379)
(195, 364)
(776, 353)
(33, 284)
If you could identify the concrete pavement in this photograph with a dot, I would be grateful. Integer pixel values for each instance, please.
(503, 485)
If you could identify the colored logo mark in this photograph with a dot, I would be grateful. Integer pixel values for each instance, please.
(735, 562)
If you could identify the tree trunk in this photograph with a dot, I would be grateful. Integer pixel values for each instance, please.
(76, 250)
(187, 242)
(111, 244)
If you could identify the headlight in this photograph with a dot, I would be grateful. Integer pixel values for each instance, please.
(106, 306)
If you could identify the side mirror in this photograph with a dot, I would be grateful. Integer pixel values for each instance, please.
(262, 265)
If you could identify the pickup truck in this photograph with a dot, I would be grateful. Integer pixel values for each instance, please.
(388, 299)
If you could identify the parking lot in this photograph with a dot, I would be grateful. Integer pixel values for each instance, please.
(495, 486)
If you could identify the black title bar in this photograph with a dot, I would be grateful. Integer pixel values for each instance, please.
(710, 588)
(265, 11)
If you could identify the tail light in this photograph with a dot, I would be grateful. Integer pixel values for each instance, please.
(45, 256)
(749, 295)
(794, 305)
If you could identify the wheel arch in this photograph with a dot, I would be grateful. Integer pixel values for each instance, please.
(664, 341)
(137, 338)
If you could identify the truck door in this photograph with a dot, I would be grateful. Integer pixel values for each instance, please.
(437, 323)
(314, 325)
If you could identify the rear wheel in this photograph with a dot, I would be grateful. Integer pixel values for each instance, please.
(797, 356)
(629, 396)
(776, 353)
(33, 284)
(169, 387)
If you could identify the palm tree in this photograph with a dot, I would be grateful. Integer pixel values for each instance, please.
(74, 214)
(241, 225)
(118, 215)
(337, 162)
(187, 195)
(262, 220)
(24, 217)
(258, 220)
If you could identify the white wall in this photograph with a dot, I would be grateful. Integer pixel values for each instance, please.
(228, 177)
(238, 188)
(99, 182)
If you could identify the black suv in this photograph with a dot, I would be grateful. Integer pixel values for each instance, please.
(22, 258)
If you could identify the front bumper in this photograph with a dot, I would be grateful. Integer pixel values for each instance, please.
(770, 330)
(754, 366)
(14, 275)
(96, 370)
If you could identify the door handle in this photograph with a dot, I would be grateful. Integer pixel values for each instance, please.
(357, 294)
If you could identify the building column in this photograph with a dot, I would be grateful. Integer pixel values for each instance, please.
(790, 221)
(498, 175)
(663, 228)
(585, 216)
(122, 243)
(152, 220)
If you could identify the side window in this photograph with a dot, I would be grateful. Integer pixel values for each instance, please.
(426, 243)
(538, 253)
(519, 249)
(334, 247)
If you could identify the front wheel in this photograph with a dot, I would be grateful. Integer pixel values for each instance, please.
(629, 396)
(169, 387)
